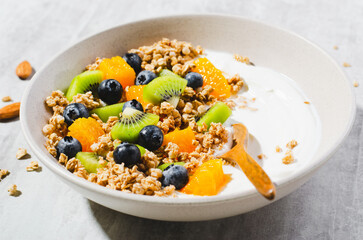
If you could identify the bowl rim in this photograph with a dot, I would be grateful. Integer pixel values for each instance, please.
(195, 200)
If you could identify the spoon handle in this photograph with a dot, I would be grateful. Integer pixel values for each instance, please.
(249, 166)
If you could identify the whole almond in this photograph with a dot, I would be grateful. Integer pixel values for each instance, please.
(24, 70)
(10, 111)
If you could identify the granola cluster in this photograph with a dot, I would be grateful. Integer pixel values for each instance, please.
(13, 190)
(21, 153)
(33, 166)
(172, 54)
(3, 173)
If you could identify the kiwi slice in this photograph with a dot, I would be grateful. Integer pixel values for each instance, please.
(165, 165)
(167, 72)
(165, 88)
(219, 113)
(131, 123)
(111, 110)
(142, 150)
(84, 82)
(90, 161)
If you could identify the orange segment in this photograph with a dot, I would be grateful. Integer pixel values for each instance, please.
(117, 68)
(207, 180)
(136, 92)
(214, 77)
(86, 131)
(183, 138)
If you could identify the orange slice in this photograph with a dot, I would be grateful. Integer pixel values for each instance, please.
(86, 131)
(214, 77)
(183, 138)
(117, 68)
(207, 180)
(136, 92)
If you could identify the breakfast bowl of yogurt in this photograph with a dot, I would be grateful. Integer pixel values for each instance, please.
(294, 100)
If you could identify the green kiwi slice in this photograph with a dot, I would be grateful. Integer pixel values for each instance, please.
(131, 123)
(84, 82)
(167, 72)
(165, 165)
(90, 161)
(111, 110)
(219, 113)
(165, 88)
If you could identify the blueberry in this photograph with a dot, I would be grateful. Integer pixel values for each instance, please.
(195, 80)
(68, 146)
(144, 77)
(175, 175)
(110, 91)
(74, 111)
(150, 137)
(133, 104)
(134, 61)
(127, 153)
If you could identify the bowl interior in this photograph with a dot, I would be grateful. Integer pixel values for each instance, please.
(316, 74)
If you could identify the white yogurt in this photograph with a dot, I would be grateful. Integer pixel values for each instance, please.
(281, 116)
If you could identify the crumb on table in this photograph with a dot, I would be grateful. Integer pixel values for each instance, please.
(32, 166)
(278, 149)
(356, 84)
(345, 64)
(6, 99)
(21, 153)
(307, 102)
(335, 47)
(3, 173)
(13, 190)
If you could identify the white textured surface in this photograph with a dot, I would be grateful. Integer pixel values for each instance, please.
(329, 206)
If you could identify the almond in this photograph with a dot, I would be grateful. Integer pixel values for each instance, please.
(10, 111)
(24, 70)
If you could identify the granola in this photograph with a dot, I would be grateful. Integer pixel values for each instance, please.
(242, 59)
(3, 173)
(33, 166)
(288, 158)
(6, 99)
(21, 153)
(13, 190)
(172, 54)
(345, 64)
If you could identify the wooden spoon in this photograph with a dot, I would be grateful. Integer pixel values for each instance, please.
(249, 166)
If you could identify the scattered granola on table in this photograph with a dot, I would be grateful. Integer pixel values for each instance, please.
(3, 173)
(6, 99)
(345, 64)
(33, 166)
(13, 190)
(21, 153)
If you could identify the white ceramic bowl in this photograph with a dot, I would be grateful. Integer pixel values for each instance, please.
(314, 71)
